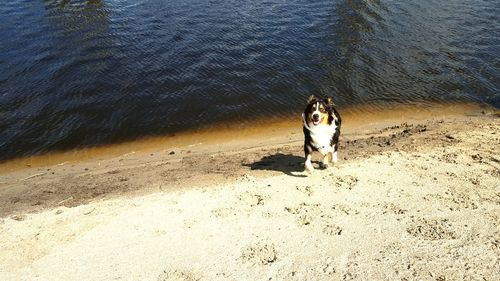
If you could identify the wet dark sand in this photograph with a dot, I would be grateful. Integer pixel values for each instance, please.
(218, 137)
(211, 157)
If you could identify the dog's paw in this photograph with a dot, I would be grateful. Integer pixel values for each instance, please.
(308, 167)
(324, 165)
(334, 158)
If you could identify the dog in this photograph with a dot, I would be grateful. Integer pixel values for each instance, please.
(321, 131)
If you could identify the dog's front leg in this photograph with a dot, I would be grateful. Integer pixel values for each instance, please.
(334, 154)
(308, 164)
(308, 152)
(326, 160)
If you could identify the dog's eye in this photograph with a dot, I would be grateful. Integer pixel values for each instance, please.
(322, 110)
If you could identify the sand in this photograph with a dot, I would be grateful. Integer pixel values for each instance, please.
(413, 200)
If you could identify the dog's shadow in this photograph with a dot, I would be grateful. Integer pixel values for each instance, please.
(289, 164)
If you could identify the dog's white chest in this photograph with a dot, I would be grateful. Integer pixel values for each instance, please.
(321, 136)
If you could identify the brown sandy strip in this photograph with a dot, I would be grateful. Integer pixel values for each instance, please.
(212, 158)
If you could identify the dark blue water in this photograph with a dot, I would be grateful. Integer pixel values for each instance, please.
(80, 73)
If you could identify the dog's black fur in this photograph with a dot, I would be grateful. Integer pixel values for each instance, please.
(333, 117)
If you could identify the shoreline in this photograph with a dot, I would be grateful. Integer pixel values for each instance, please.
(355, 118)
(412, 199)
(208, 159)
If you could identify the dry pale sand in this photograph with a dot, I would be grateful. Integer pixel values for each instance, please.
(415, 200)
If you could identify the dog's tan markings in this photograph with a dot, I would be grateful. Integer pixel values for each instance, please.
(325, 118)
(323, 113)
(326, 160)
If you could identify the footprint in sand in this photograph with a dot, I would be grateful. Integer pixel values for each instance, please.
(431, 229)
(252, 199)
(347, 182)
(391, 208)
(327, 266)
(332, 230)
(493, 172)
(260, 253)
(452, 200)
(304, 212)
(344, 209)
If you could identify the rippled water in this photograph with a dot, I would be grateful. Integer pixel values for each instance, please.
(77, 73)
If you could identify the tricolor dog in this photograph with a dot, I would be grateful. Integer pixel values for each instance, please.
(321, 130)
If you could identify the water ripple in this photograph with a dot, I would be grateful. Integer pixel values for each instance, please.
(80, 73)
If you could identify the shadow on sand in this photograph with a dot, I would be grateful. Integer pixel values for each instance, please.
(289, 164)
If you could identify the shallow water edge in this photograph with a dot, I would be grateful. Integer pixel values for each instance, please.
(234, 135)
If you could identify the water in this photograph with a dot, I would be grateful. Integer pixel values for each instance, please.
(81, 73)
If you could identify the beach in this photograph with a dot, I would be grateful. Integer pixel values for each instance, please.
(411, 198)
(163, 140)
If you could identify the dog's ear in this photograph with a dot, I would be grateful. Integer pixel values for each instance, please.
(329, 101)
(311, 99)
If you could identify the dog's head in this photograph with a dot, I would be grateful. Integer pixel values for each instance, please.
(319, 111)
